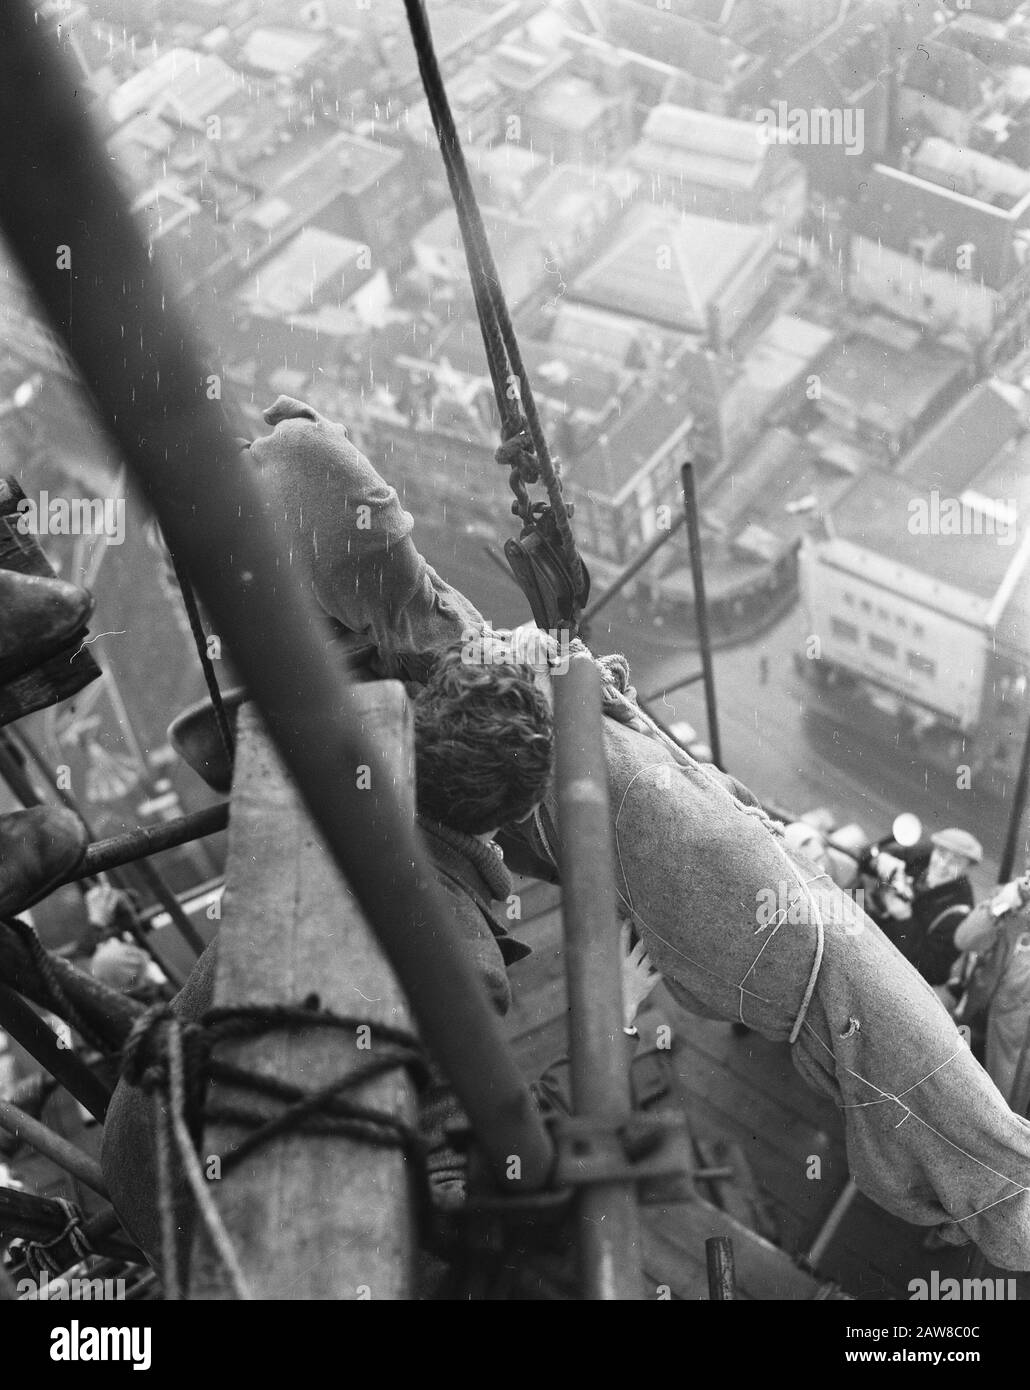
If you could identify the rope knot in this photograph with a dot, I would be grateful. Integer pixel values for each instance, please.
(51, 1257)
(145, 1053)
(517, 454)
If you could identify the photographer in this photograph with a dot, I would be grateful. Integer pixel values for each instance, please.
(923, 895)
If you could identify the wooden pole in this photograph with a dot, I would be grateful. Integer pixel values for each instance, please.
(309, 1216)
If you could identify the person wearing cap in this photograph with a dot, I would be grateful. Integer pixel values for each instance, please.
(998, 929)
(927, 902)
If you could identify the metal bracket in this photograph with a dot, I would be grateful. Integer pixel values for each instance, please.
(633, 1148)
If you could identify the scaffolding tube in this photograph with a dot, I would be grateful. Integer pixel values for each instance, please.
(59, 1059)
(72, 232)
(701, 609)
(608, 1221)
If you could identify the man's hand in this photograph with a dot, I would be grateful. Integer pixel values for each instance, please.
(1011, 897)
(896, 906)
(105, 905)
(893, 871)
(639, 976)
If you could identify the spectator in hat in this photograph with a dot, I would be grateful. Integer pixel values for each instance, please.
(999, 931)
(927, 895)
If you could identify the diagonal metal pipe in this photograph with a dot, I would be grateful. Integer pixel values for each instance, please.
(72, 232)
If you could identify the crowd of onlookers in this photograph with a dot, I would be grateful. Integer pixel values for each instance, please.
(976, 956)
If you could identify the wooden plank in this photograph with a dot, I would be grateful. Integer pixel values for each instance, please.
(763, 1271)
(310, 1217)
(800, 1205)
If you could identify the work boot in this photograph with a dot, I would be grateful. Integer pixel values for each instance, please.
(38, 616)
(38, 848)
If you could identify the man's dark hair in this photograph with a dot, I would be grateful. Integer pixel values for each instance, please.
(483, 743)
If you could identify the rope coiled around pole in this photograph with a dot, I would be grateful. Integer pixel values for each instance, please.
(171, 1060)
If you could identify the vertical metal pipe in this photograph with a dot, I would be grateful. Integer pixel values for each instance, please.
(1019, 1096)
(609, 1232)
(701, 608)
(722, 1279)
(171, 904)
(1008, 857)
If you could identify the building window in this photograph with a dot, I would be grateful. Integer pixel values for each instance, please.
(900, 620)
(883, 615)
(849, 599)
(922, 664)
(882, 646)
(918, 630)
(847, 631)
(865, 605)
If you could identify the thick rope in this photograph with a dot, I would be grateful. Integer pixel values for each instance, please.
(504, 358)
(217, 1233)
(50, 1256)
(166, 1201)
(171, 1059)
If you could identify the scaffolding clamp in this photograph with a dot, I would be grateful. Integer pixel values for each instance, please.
(631, 1148)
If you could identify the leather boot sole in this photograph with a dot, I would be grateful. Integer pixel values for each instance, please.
(38, 653)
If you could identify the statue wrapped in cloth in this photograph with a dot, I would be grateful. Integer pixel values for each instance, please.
(742, 928)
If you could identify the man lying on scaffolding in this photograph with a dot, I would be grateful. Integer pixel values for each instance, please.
(929, 1136)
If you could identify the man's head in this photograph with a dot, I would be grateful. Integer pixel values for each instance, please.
(954, 854)
(483, 743)
(805, 840)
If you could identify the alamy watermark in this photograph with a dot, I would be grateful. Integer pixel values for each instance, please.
(813, 125)
(968, 515)
(527, 645)
(936, 1289)
(80, 1342)
(48, 1289)
(73, 516)
(790, 904)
